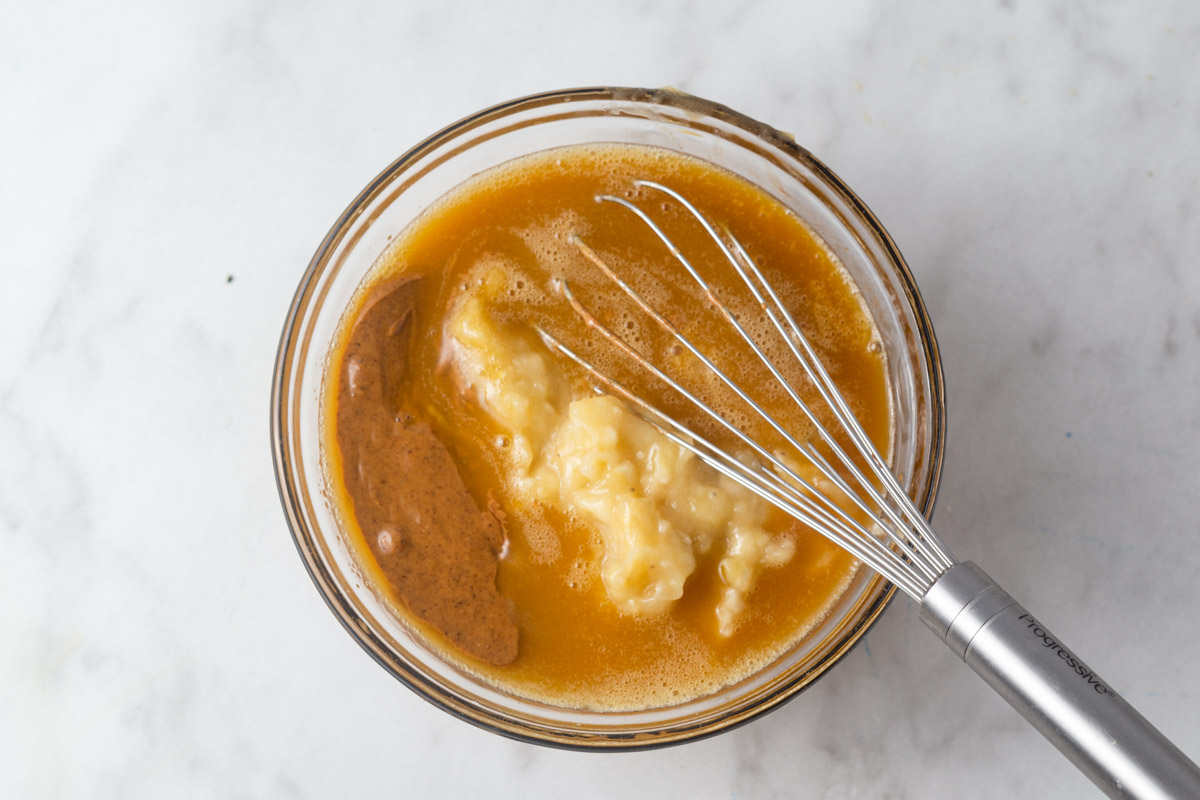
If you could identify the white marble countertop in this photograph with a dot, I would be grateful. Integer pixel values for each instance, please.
(167, 171)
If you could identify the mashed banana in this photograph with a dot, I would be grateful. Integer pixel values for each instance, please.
(654, 504)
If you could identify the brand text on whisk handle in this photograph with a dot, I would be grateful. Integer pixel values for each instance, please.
(1079, 668)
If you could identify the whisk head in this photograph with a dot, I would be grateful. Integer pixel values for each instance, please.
(895, 540)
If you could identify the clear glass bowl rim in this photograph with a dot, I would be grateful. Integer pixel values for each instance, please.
(280, 401)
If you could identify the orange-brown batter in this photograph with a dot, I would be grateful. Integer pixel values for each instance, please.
(521, 604)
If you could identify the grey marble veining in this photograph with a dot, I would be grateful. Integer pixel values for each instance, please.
(168, 171)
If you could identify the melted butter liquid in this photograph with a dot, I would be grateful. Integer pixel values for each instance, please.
(575, 648)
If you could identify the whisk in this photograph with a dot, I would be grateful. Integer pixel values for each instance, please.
(1010, 649)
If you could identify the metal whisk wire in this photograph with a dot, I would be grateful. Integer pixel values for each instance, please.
(1050, 686)
(915, 558)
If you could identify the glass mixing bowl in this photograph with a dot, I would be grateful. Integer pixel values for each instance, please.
(667, 119)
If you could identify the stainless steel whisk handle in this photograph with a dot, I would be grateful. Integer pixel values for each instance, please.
(1054, 689)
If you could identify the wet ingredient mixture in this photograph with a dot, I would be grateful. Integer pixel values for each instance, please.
(542, 535)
